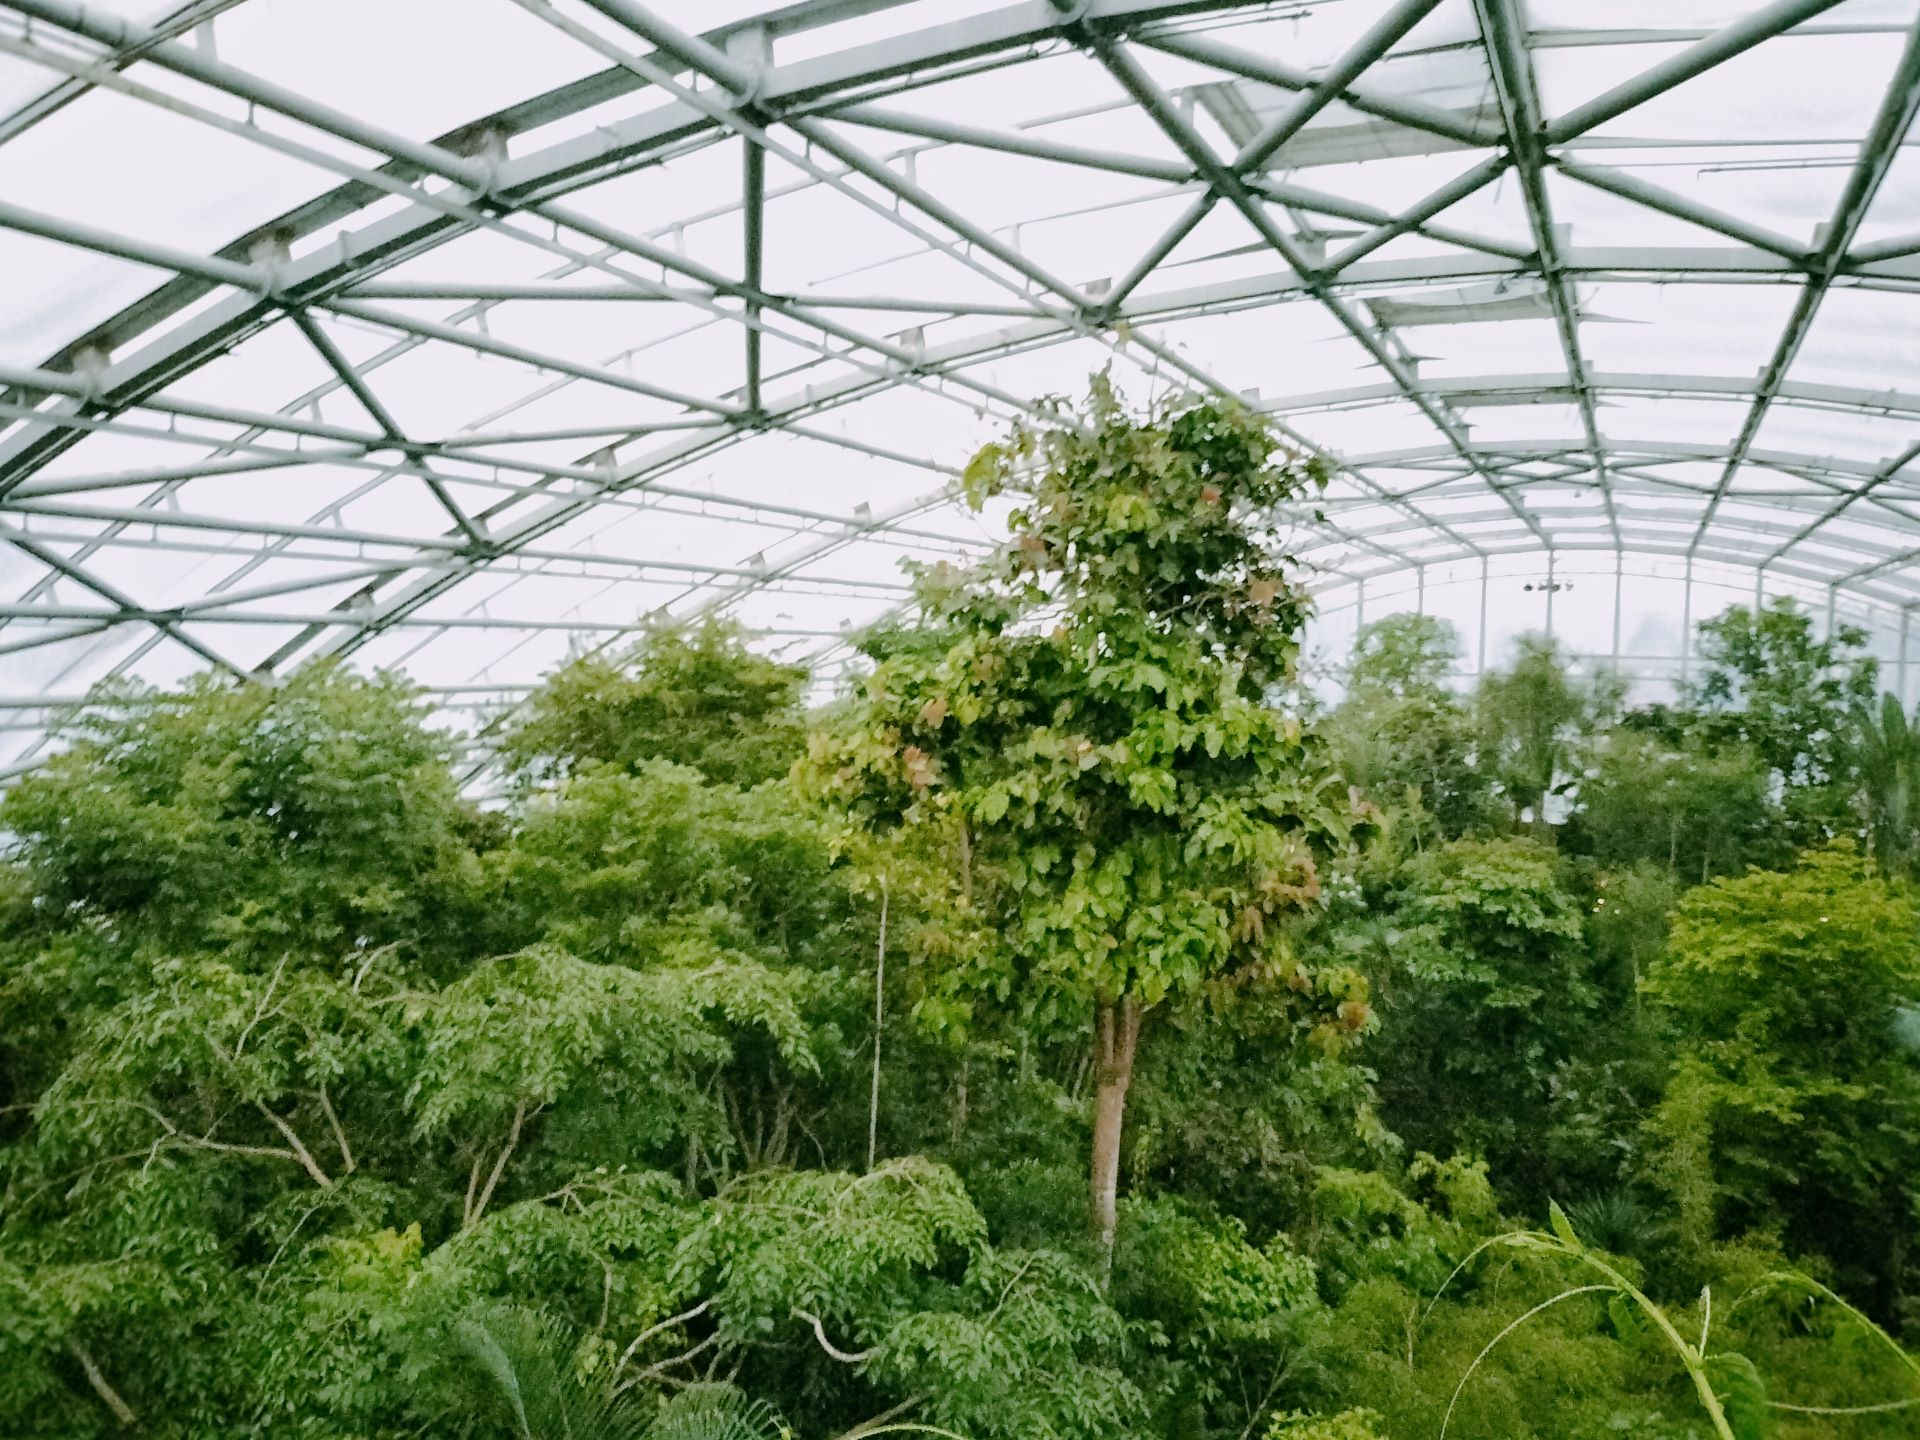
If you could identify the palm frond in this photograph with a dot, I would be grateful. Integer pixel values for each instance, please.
(716, 1412)
(526, 1360)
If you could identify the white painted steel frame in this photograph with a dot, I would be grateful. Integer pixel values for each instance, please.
(692, 90)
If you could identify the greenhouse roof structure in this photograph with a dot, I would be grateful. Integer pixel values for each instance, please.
(457, 335)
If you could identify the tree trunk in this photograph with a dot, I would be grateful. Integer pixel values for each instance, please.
(110, 1397)
(1116, 1031)
(879, 1024)
(957, 1125)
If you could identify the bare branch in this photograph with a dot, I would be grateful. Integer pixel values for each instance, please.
(845, 1357)
(260, 1010)
(366, 966)
(500, 1165)
(110, 1397)
(339, 1133)
(175, 1135)
(300, 1151)
(473, 1184)
(653, 1330)
(656, 1369)
(669, 1323)
(874, 1422)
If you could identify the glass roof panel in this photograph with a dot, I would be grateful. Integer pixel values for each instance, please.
(259, 404)
(110, 160)
(367, 56)
(1803, 89)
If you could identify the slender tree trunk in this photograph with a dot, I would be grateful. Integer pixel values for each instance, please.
(879, 1024)
(1116, 1032)
(1896, 1282)
(957, 1126)
(1542, 827)
(110, 1397)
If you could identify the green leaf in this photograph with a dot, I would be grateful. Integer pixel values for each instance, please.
(1563, 1227)
(1742, 1394)
(1628, 1324)
(982, 471)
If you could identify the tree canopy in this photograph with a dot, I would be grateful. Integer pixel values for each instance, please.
(1095, 707)
(1513, 1058)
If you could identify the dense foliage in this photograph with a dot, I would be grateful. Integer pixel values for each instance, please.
(1563, 1083)
(1090, 713)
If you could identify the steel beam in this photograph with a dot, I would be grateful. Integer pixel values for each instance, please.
(688, 51)
(861, 162)
(169, 618)
(539, 359)
(89, 390)
(753, 208)
(170, 474)
(1551, 387)
(1300, 197)
(1224, 182)
(1865, 490)
(54, 635)
(1503, 34)
(128, 247)
(120, 34)
(1894, 118)
(950, 132)
(112, 594)
(492, 293)
(1681, 207)
(1411, 114)
(1742, 35)
(1624, 445)
(1417, 215)
(425, 550)
(1381, 37)
(370, 402)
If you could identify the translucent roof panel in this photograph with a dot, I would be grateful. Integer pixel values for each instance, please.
(481, 345)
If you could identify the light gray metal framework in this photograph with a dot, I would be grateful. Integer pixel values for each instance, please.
(731, 305)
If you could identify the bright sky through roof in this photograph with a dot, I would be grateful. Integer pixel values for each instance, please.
(460, 334)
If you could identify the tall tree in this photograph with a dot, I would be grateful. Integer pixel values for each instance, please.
(697, 697)
(1693, 808)
(1403, 652)
(1483, 991)
(1533, 717)
(1795, 1089)
(1090, 707)
(1887, 751)
(1769, 682)
(1405, 737)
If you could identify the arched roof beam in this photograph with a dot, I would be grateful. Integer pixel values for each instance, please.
(1551, 388)
(725, 71)
(1750, 264)
(1503, 35)
(1224, 183)
(1379, 38)
(1698, 58)
(1389, 225)
(1891, 123)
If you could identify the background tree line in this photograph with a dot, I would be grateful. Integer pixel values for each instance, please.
(1215, 1028)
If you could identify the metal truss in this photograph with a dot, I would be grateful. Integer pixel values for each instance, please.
(514, 504)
